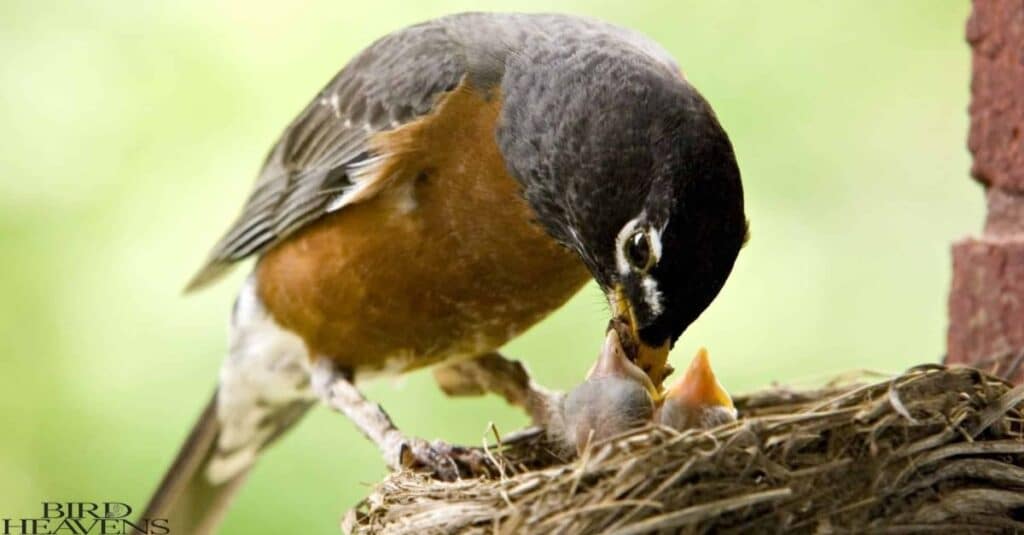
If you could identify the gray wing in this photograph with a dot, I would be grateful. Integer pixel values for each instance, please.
(315, 166)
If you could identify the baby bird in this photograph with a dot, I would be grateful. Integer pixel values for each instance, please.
(696, 400)
(615, 397)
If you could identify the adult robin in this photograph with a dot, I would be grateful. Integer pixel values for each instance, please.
(697, 399)
(456, 182)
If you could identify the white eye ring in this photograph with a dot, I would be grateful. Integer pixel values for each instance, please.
(638, 252)
(629, 232)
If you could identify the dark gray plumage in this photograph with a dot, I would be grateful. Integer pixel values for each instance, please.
(599, 133)
(394, 80)
(597, 124)
(391, 82)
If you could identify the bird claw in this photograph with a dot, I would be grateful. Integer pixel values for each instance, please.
(445, 461)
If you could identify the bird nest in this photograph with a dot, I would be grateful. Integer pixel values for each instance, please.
(934, 447)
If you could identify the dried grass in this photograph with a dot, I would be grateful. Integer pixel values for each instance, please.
(932, 448)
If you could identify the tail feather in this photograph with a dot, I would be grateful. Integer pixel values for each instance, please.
(263, 391)
(186, 498)
(198, 488)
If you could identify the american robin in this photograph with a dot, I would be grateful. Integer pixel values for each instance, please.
(453, 184)
(615, 397)
(696, 400)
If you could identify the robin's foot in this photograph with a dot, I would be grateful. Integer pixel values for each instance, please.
(445, 461)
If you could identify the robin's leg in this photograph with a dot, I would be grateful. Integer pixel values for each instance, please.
(445, 461)
(492, 372)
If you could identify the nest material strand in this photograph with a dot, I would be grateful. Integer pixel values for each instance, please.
(932, 448)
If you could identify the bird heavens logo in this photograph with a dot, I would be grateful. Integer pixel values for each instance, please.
(84, 518)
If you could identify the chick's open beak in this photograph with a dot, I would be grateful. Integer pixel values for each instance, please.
(699, 387)
(697, 400)
(613, 362)
(652, 360)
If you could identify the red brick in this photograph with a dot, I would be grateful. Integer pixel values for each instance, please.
(996, 34)
(986, 302)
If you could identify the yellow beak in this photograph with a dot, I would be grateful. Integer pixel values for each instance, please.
(613, 362)
(699, 387)
(652, 360)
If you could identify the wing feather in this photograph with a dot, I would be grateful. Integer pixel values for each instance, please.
(323, 160)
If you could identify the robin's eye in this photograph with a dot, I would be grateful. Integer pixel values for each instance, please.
(638, 251)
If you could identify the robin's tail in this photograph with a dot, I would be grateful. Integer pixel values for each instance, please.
(186, 498)
(197, 489)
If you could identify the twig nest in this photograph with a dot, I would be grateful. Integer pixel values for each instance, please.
(933, 448)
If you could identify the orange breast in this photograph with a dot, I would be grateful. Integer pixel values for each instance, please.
(443, 262)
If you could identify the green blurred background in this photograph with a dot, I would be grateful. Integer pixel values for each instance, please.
(132, 130)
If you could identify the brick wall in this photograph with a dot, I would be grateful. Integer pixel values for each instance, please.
(986, 301)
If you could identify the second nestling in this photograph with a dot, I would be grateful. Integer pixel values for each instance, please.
(617, 396)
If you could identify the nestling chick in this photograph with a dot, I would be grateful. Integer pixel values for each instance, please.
(696, 400)
(615, 397)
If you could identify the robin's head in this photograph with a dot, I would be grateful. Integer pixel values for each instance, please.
(625, 163)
